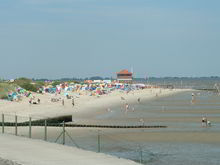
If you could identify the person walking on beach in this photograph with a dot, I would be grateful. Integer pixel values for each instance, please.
(73, 102)
(204, 122)
(126, 107)
(139, 100)
(193, 98)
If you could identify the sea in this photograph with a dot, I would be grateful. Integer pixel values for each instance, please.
(178, 106)
(184, 82)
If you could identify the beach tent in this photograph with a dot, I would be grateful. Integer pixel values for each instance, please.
(11, 96)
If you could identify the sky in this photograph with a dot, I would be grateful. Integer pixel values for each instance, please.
(83, 38)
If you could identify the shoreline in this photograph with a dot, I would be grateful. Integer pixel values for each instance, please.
(85, 105)
(114, 100)
(89, 107)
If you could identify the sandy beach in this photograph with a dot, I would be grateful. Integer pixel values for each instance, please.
(87, 109)
(84, 104)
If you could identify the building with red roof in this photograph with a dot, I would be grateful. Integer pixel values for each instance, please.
(124, 76)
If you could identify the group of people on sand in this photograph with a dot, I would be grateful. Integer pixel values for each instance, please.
(33, 101)
(127, 107)
(205, 122)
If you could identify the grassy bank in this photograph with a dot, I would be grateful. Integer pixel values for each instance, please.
(5, 88)
(24, 83)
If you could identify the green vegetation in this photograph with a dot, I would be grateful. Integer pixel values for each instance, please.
(39, 84)
(29, 87)
(55, 83)
(24, 83)
(21, 81)
(28, 84)
(5, 88)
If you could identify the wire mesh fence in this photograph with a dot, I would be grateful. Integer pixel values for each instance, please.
(93, 139)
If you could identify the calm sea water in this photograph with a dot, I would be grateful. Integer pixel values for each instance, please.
(172, 153)
(177, 106)
(158, 153)
(195, 83)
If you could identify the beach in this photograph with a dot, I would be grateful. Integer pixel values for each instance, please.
(171, 108)
(84, 104)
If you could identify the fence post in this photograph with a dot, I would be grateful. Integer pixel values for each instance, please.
(3, 129)
(16, 125)
(45, 130)
(99, 148)
(63, 132)
(29, 127)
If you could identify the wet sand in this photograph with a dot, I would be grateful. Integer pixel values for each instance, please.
(202, 135)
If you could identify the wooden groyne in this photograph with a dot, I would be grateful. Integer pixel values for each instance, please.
(116, 126)
(206, 89)
(8, 124)
(65, 120)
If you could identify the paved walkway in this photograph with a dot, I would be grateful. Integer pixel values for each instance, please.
(36, 152)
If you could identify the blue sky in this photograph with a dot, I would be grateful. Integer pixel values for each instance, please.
(83, 38)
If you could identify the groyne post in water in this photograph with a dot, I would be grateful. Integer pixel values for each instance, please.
(63, 132)
(29, 127)
(3, 129)
(16, 125)
(45, 130)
